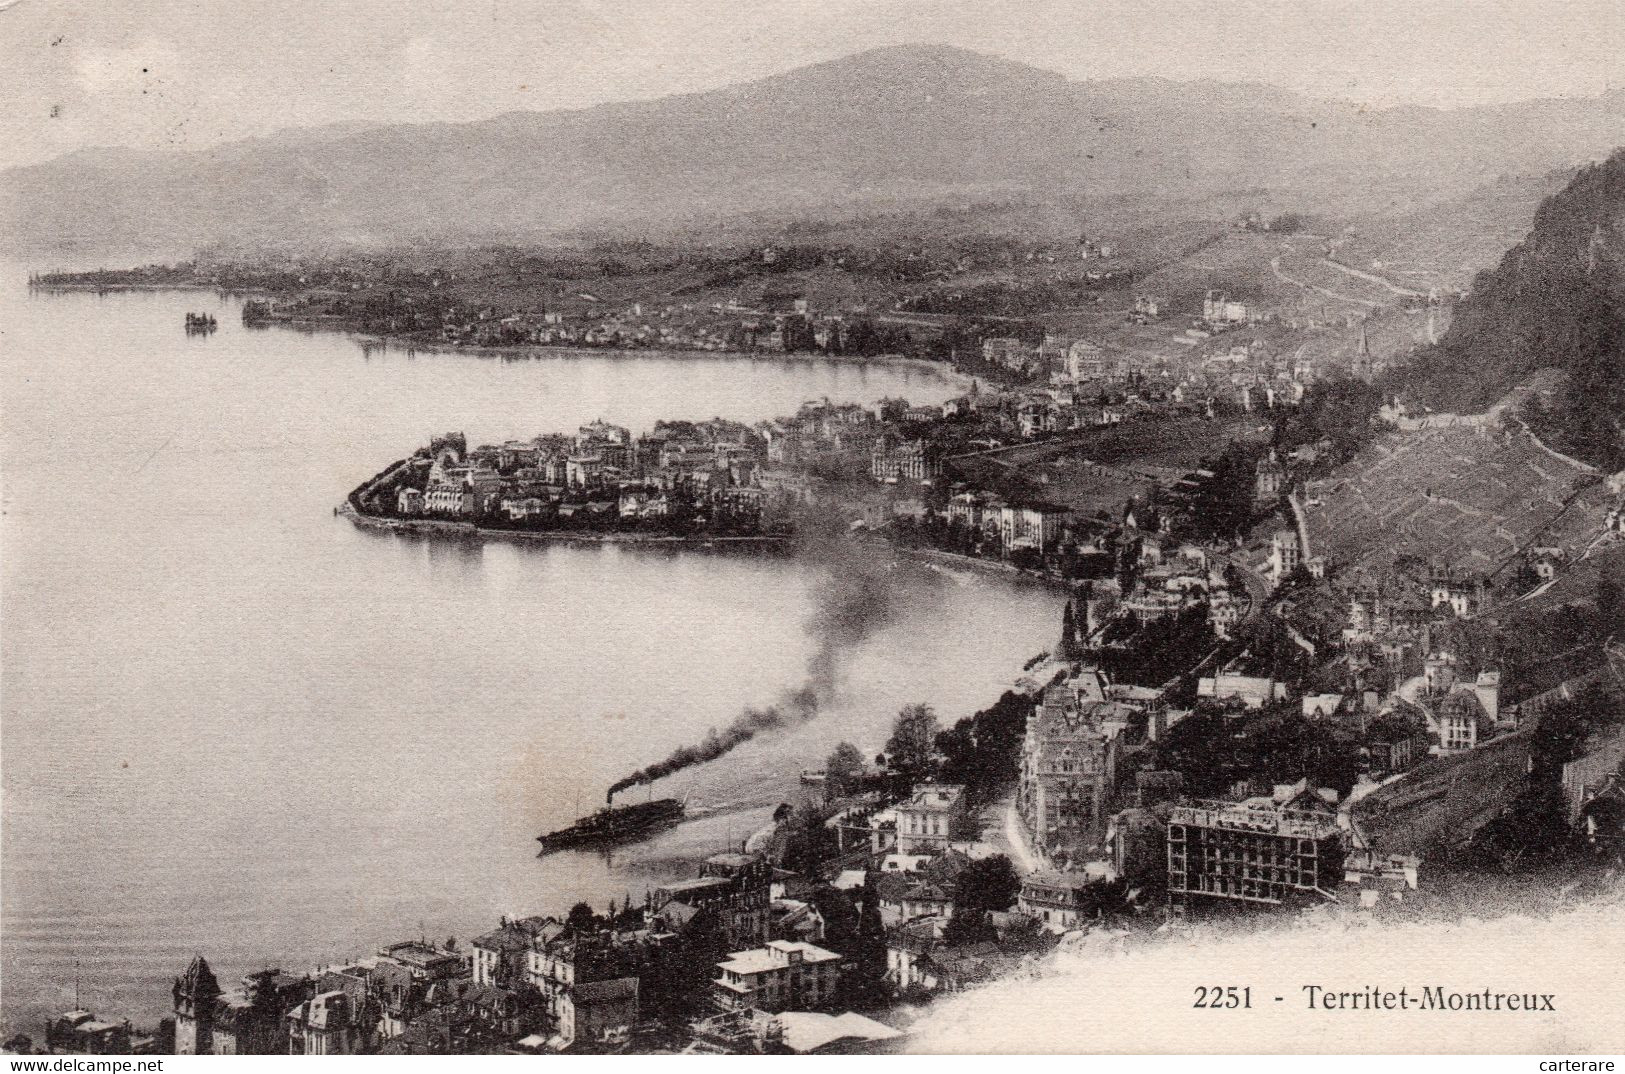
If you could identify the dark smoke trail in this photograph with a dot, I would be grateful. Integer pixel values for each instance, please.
(857, 595)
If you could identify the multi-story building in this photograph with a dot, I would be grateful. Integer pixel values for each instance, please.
(332, 1023)
(1255, 691)
(194, 994)
(1463, 723)
(598, 1011)
(580, 977)
(1068, 767)
(79, 1032)
(1058, 899)
(781, 976)
(584, 471)
(910, 461)
(445, 498)
(1284, 555)
(424, 961)
(1035, 526)
(1085, 360)
(1254, 851)
(736, 889)
(931, 819)
(1465, 595)
(1219, 308)
(501, 957)
(1269, 479)
(1009, 352)
(975, 511)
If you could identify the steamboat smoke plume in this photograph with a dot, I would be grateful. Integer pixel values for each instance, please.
(856, 596)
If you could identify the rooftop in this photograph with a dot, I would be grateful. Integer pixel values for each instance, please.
(1257, 815)
(776, 955)
(699, 883)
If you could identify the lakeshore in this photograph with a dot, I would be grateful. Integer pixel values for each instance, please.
(470, 530)
(538, 351)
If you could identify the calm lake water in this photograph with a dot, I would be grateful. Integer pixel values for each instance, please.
(234, 724)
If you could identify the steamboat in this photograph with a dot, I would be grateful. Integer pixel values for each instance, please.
(614, 824)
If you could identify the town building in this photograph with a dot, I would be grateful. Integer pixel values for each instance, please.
(332, 1023)
(736, 889)
(1254, 691)
(80, 1032)
(501, 957)
(780, 976)
(1255, 851)
(1033, 526)
(1058, 898)
(1069, 766)
(194, 994)
(599, 1011)
(1463, 723)
(1220, 308)
(932, 818)
(909, 461)
(1284, 555)
(1269, 479)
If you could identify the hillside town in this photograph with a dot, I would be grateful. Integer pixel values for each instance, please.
(1323, 649)
(1270, 693)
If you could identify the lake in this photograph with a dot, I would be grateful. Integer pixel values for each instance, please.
(236, 725)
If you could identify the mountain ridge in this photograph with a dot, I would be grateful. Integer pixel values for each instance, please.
(893, 122)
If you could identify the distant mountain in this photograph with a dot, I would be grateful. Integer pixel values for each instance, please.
(1555, 302)
(907, 122)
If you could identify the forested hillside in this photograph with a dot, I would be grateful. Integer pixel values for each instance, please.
(1557, 300)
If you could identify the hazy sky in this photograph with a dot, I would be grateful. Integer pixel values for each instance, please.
(189, 73)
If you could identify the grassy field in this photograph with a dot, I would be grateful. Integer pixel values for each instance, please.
(1102, 469)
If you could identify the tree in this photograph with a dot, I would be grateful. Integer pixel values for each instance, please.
(581, 918)
(981, 752)
(988, 884)
(867, 983)
(843, 769)
(1069, 650)
(984, 886)
(912, 746)
(967, 927)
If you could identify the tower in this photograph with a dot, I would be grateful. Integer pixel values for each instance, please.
(195, 993)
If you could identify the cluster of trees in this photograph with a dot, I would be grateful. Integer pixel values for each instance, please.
(1337, 411)
(1151, 654)
(983, 751)
(1218, 746)
(980, 752)
(986, 886)
(1221, 506)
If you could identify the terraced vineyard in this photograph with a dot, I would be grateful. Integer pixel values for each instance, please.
(1471, 497)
